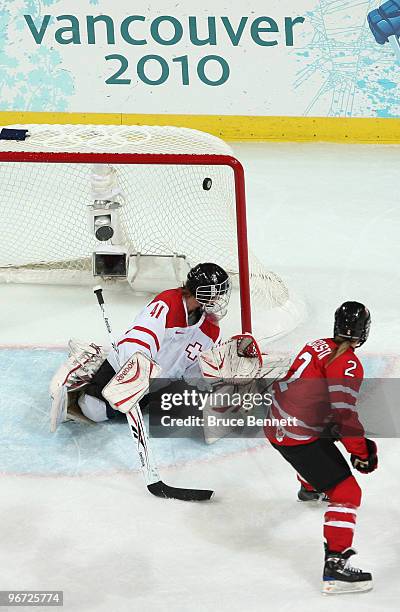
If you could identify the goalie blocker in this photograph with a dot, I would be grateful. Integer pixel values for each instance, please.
(131, 383)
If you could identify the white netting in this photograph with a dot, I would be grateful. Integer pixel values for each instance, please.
(116, 139)
(165, 208)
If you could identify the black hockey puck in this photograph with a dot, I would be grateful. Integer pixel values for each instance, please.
(207, 184)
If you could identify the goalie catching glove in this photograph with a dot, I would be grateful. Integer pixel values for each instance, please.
(239, 361)
(131, 383)
(237, 358)
(236, 368)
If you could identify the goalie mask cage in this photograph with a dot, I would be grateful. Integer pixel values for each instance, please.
(156, 174)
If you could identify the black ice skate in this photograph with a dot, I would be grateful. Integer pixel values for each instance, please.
(304, 495)
(339, 577)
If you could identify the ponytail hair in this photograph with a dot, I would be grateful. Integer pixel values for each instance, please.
(343, 346)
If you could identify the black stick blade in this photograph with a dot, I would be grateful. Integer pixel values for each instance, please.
(160, 489)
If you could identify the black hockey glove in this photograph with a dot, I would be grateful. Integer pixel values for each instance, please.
(332, 432)
(366, 466)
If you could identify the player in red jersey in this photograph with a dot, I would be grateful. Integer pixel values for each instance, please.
(319, 393)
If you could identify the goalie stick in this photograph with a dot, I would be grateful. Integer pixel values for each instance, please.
(138, 431)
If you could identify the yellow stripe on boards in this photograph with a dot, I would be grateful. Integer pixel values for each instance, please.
(238, 127)
(11, 117)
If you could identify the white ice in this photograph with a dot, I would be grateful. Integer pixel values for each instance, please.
(326, 218)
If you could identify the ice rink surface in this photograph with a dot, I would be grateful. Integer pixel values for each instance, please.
(75, 515)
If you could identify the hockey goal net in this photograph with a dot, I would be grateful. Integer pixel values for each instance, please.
(181, 194)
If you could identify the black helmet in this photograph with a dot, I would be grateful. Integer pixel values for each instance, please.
(352, 322)
(211, 286)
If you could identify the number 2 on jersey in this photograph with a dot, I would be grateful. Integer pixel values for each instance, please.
(352, 367)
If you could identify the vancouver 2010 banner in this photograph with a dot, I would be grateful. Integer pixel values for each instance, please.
(332, 58)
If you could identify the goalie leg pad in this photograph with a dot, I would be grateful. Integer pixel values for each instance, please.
(83, 361)
(58, 409)
(65, 407)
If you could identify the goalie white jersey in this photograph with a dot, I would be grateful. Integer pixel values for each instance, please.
(162, 331)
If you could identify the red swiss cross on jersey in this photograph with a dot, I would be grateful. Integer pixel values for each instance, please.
(193, 350)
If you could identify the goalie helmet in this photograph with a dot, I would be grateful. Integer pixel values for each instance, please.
(352, 322)
(211, 286)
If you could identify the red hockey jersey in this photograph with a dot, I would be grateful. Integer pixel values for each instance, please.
(317, 394)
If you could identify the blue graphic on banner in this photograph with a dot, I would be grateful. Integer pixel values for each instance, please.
(385, 25)
(353, 76)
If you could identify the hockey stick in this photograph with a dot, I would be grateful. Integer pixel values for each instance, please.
(138, 431)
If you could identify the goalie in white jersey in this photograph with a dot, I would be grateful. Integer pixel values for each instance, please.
(172, 330)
